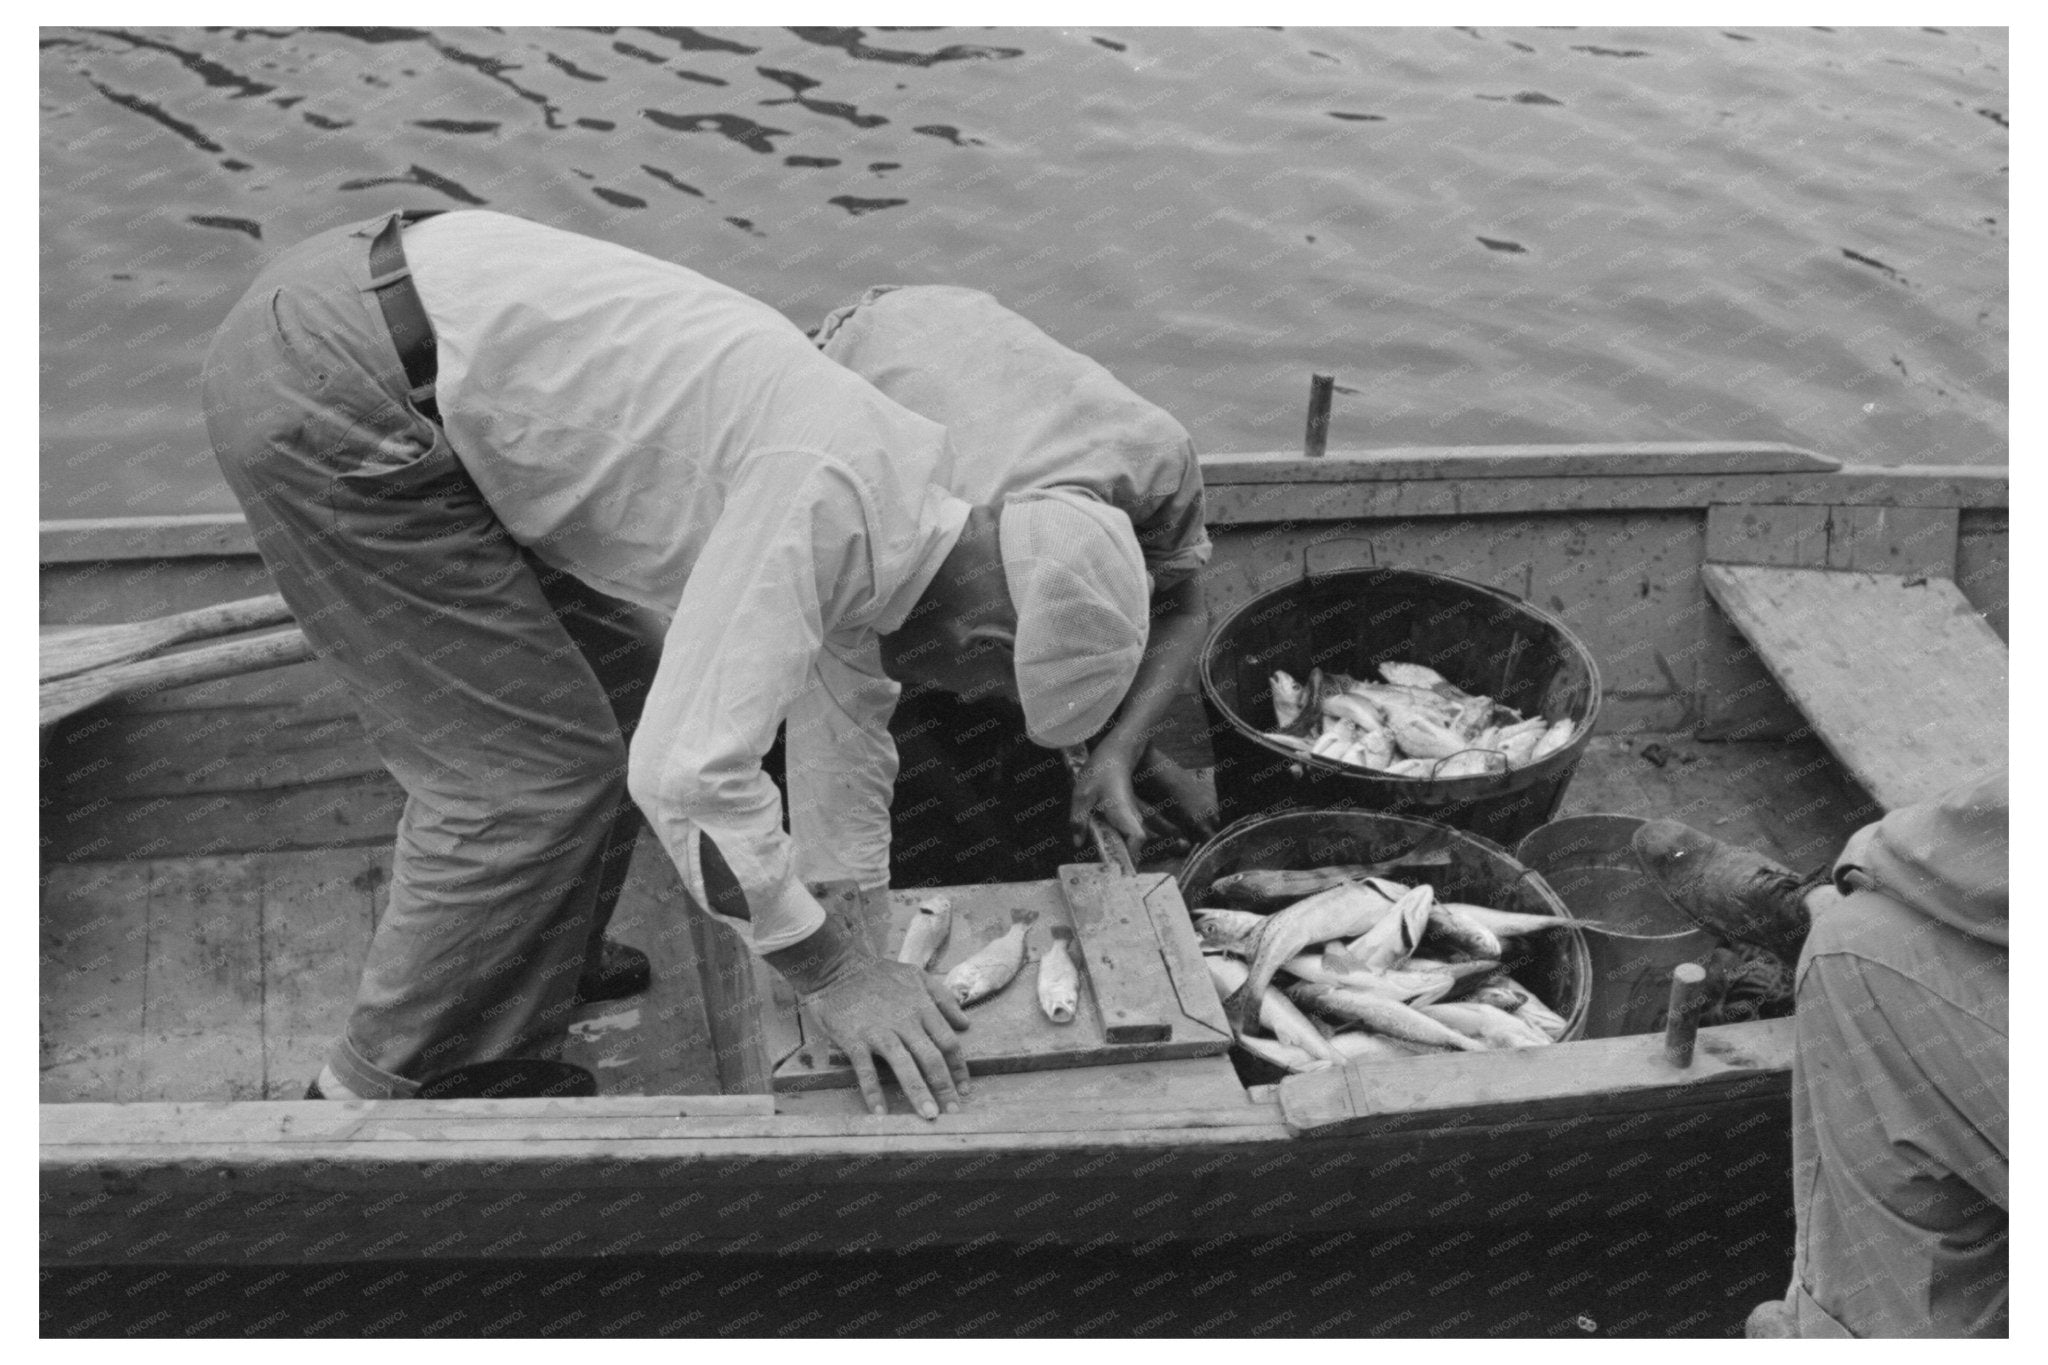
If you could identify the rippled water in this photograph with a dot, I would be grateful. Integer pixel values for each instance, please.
(1491, 235)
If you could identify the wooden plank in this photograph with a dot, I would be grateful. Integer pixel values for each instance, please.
(94, 926)
(202, 1013)
(1189, 976)
(1569, 1080)
(1234, 504)
(1900, 540)
(316, 932)
(351, 812)
(1120, 952)
(162, 1129)
(1792, 535)
(160, 537)
(1901, 678)
(1180, 1083)
(1518, 461)
(655, 1043)
(1983, 548)
(1008, 1032)
(733, 1015)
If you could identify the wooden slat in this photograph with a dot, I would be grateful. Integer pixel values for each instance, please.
(1518, 461)
(202, 1020)
(316, 932)
(1901, 678)
(350, 812)
(94, 921)
(163, 537)
(1901, 540)
(1120, 952)
(1532, 1084)
(1793, 535)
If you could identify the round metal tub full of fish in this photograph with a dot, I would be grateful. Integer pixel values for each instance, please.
(1400, 691)
(1341, 935)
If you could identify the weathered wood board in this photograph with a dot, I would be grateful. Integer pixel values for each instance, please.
(1902, 679)
(1146, 994)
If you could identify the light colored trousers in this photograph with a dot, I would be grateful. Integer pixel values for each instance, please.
(500, 694)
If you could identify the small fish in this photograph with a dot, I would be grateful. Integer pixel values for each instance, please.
(1358, 1046)
(1343, 911)
(1276, 1012)
(1289, 697)
(1493, 1027)
(1460, 930)
(1348, 706)
(1263, 886)
(1407, 985)
(1381, 1015)
(1521, 1002)
(1337, 736)
(1059, 984)
(1229, 931)
(994, 967)
(1511, 923)
(1417, 675)
(1395, 935)
(926, 937)
(1474, 715)
(1555, 738)
(1282, 1054)
(1421, 737)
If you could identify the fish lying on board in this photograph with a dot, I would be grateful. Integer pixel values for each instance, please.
(926, 937)
(1059, 983)
(994, 967)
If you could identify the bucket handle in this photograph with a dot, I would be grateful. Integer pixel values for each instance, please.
(1372, 554)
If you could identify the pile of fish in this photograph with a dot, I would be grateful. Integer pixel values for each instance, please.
(1414, 724)
(995, 966)
(1361, 966)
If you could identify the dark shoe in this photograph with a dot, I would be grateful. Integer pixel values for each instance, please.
(619, 971)
(1734, 892)
(514, 1078)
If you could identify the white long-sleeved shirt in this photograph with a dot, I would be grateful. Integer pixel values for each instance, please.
(677, 444)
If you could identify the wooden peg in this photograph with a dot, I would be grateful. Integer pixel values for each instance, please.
(1682, 1019)
(1318, 439)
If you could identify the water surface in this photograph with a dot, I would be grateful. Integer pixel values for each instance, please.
(1490, 235)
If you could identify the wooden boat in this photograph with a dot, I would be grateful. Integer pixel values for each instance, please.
(1787, 647)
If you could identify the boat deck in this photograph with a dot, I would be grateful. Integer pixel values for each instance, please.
(225, 978)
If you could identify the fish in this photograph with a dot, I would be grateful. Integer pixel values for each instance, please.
(1422, 737)
(1555, 738)
(1283, 1055)
(1356, 1045)
(1337, 736)
(1348, 706)
(1457, 928)
(1059, 982)
(1494, 1027)
(994, 967)
(1343, 911)
(1474, 715)
(1418, 675)
(1261, 886)
(1276, 1012)
(1407, 985)
(1398, 933)
(1512, 923)
(926, 937)
(1228, 931)
(1504, 992)
(1381, 1015)
(1289, 697)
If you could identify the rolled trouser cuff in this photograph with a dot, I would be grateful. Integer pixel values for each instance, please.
(364, 1079)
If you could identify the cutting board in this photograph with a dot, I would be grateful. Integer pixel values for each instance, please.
(1145, 993)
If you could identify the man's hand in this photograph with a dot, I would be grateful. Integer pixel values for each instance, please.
(1180, 807)
(874, 1009)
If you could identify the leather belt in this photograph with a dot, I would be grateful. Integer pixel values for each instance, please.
(404, 317)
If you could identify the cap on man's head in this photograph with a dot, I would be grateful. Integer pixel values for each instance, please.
(1077, 580)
